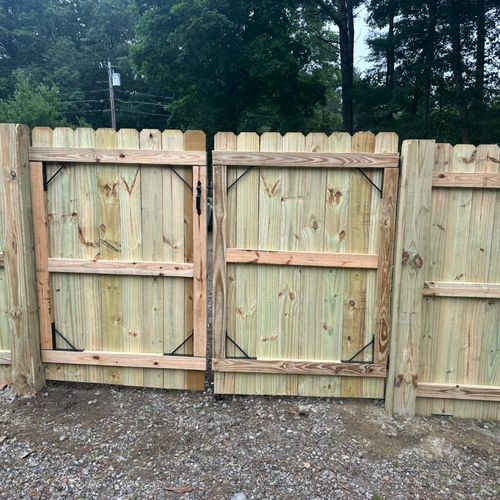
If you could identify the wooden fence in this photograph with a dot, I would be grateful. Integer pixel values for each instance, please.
(103, 265)
(120, 230)
(445, 354)
(303, 235)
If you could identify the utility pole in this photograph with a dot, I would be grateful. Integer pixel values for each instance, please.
(111, 96)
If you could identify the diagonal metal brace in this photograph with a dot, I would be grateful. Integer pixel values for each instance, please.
(46, 179)
(55, 333)
(371, 343)
(245, 355)
(238, 178)
(181, 178)
(174, 352)
(363, 173)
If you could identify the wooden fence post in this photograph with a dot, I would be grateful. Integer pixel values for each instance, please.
(27, 369)
(412, 251)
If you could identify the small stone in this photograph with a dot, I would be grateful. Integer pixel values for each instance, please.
(304, 410)
(239, 496)
(307, 465)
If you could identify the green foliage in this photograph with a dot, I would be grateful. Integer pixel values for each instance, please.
(231, 65)
(32, 105)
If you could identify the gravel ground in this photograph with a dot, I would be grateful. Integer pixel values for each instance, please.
(88, 441)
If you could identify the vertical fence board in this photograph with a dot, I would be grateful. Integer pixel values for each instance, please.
(20, 270)
(411, 263)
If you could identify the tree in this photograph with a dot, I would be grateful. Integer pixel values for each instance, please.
(33, 105)
(341, 12)
(230, 64)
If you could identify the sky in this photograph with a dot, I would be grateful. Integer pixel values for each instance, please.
(361, 31)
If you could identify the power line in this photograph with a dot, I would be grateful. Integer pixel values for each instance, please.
(134, 92)
(141, 112)
(140, 102)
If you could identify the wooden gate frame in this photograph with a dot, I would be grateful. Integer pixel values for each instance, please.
(39, 157)
(383, 261)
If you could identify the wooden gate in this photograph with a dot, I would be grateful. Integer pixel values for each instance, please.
(120, 230)
(304, 231)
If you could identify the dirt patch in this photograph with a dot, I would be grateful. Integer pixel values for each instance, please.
(89, 441)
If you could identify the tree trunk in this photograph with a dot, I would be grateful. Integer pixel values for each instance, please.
(480, 47)
(429, 54)
(457, 68)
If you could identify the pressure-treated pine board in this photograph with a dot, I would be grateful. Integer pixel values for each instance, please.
(307, 159)
(4, 323)
(247, 236)
(357, 316)
(467, 179)
(224, 282)
(120, 155)
(152, 250)
(454, 289)
(412, 259)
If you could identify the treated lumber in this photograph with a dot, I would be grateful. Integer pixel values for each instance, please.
(387, 229)
(219, 269)
(411, 265)
(200, 261)
(196, 252)
(41, 235)
(2, 259)
(483, 180)
(117, 156)
(5, 358)
(458, 391)
(121, 267)
(126, 360)
(286, 258)
(458, 289)
(299, 367)
(20, 268)
(303, 159)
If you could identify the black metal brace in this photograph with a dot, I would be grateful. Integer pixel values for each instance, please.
(181, 178)
(198, 198)
(174, 352)
(238, 178)
(371, 343)
(245, 355)
(379, 189)
(46, 179)
(55, 333)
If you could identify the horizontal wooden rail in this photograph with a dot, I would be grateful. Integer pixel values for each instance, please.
(2, 259)
(315, 259)
(125, 359)
(300, 367)
(484, 180)
(323, 160)
(126, 156)
(120, 267)
(458, 391)
(457, 289)
(5, 358)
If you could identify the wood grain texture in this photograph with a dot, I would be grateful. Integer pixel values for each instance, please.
(412, 251)
(461, 289)
(305, 159)
(458, 391)
(125, 360)
(314, 259)
(387, 232)
(117, 156)
(20, 268)
(5, 358)
(475, 180)
(2, 259)
(41, 236)
(121, 267)
(300, 367)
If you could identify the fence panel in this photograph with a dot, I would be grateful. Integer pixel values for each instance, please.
(121, 255)
(446, 357)
(303, 257)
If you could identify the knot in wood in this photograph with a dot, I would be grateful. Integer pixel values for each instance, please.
(13, 174)
(418, 261)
